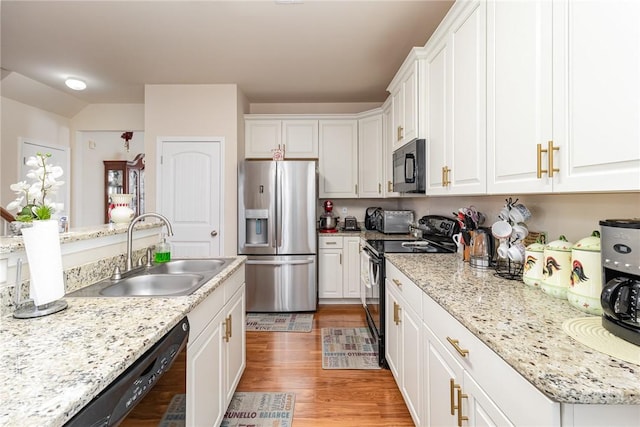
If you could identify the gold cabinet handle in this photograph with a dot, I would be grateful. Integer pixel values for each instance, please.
(550, 150)
(540, 171)
(330, 243)
(445, 176)
(456, 344)
(340, 259)
(461, 417)
(397, 282)
(400, 133)
(356, 188)
(230, 326)
(379, 188)
(396, 313)
(226, 329)
(389, 186)
(452, 387)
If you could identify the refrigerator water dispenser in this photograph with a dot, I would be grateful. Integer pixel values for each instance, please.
(257, 223)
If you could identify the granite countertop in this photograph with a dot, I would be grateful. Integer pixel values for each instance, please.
(524, 327)
(53, 366)
(368, 234)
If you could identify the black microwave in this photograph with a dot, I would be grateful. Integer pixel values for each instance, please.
(409, 167)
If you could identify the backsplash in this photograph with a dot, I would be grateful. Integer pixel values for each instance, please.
(74, 278)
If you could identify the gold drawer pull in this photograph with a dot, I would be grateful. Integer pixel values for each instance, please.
(396, 313)
(551, 149)
(452, 387)
(397, 282)
(456, 344)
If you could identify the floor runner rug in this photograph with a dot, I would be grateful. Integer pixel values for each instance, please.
(280, 322)
(348, 348)
(246, 409)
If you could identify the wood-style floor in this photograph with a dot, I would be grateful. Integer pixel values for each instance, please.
(292, 362)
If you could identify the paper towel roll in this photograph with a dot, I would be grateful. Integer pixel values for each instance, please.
(42, 244)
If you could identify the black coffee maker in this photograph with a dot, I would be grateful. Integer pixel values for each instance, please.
(620, 298)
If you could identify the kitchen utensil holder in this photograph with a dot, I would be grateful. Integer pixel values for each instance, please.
(508, 269)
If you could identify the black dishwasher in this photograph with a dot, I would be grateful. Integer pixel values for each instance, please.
(113, 403)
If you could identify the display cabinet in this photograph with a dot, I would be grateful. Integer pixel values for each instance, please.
(122, 176)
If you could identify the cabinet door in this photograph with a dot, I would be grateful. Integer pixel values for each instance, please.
(206, 394)
(410, 103)
(338, 156)
(467, 110)
(519, 94)
(478, 407)
(436, 65)
(351, 278)
(330, 274)
(370, 157)
(262, 136)
(234, 343)
(410, 357)
(392, 332)
(387, 156)
(300, 139)
(443, 377)
(596, 98)
(397, 117)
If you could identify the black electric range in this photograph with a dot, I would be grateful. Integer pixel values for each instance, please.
(437, 232)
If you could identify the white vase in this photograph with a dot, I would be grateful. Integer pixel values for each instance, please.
(122, 212)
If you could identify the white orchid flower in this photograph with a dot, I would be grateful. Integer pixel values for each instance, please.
(20, 187)
(32, 161)
(16, 204)
(56, 172)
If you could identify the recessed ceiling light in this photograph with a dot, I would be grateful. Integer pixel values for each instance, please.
(76, 84)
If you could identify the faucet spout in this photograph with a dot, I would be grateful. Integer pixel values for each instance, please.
(130, 233)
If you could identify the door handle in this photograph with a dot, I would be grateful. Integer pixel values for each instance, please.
(275, 262)
(214, 233)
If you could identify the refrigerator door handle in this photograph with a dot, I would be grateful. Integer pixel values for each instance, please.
(275, 262)
(278, 206)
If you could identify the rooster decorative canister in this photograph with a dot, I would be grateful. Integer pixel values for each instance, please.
(556, 273)
(586, 275)
(532, 271)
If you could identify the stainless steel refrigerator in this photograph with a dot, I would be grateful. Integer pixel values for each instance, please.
(277, 231)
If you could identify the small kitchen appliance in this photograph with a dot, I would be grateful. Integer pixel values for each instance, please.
(620, 298)
(409, 167)
(351, 224)
(394, 222)
(328, 221)
(437, 232)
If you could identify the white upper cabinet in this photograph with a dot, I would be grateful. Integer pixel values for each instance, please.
(297, 137)
(338, 158)
(404, 101)
(387, 149)
(370, 151)
(518, 93)
(564, 116)
(456, 103)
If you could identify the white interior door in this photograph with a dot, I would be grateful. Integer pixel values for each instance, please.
(59, 157)
(190, 195)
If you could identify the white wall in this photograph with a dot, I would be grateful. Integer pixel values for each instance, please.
(196, 110)
(21, 120)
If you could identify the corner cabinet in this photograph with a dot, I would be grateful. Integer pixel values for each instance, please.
(338, 153)
(298, 138)
(216, 352)
(567, 123)
(124, 177)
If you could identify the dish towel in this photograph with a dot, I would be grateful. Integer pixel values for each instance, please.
(42, 244)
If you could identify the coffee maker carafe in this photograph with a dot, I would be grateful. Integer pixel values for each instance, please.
(620, 298)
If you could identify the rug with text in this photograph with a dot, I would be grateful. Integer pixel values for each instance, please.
(279, 322)
(348, 348)
(247, 409)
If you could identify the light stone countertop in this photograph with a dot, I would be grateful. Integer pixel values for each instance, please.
(524, 327)
(53, 366)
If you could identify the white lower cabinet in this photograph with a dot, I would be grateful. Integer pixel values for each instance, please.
(216, 355)
(403, 329)
(338, 267)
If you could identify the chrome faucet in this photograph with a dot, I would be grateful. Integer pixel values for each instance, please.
(130, 233)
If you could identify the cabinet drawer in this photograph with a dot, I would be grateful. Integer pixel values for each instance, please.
(522, 402)
(401, 285)
(333, 242)
(202, 314)
(232, 284)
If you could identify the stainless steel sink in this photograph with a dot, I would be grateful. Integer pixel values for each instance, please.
(177, 277)
(153, 285)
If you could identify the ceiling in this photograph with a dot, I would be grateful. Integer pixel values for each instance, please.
(318, 51)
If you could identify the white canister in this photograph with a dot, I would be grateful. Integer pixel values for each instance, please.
(556, 273)
(586, 275)
(532, 271)
(122, 212)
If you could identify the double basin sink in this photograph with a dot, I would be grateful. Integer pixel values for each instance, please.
(178, 277)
